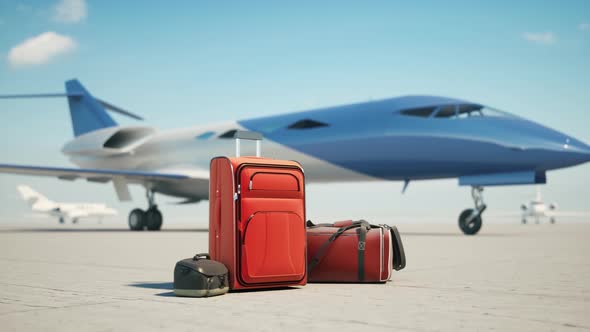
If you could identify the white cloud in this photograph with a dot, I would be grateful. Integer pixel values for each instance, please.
(70, 11)
(544, 38)
(584, 26)
(40, 49)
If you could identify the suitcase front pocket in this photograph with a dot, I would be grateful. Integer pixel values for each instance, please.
(273, 248)
(273, 181)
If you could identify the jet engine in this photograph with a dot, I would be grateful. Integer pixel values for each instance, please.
(108, 142)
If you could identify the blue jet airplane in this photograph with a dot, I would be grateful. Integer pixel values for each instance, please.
(399, 139)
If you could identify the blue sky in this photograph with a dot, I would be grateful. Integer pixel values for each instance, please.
(194, 62)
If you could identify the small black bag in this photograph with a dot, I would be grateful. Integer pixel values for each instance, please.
(200, 277)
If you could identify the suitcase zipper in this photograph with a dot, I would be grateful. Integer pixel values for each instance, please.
(237, 194)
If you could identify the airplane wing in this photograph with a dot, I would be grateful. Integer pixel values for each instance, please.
(120, 178)
(87, 173)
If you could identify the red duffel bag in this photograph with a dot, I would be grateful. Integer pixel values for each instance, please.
(353, 251)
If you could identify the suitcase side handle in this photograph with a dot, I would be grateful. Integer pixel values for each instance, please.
(248, 135)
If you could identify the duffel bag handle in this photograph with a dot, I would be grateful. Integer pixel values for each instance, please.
(202, 256)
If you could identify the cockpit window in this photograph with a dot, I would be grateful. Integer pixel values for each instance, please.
(228, 134)
(307, 124)
(422, 112)
(467, 110)
(447, 111)
(455, 111)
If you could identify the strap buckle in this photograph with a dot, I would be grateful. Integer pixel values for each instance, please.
(361, 245)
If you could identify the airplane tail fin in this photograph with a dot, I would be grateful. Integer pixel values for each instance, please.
(31, 196)
(88, 113)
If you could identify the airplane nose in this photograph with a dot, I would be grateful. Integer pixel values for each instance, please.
(587, 152)
(577, 148)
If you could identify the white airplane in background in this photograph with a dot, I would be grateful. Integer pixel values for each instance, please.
(538, 209)
(63, 211)
(405, 139)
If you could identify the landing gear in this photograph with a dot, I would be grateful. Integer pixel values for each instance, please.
(75, 221)
(153, 219)
(61, 220)
(150, 219)
(552, 220)
(470, 220)
(136, 220)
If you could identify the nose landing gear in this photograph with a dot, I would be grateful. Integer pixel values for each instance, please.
(150, 219)
(470, 220)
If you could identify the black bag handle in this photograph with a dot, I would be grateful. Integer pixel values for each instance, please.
(201, 256)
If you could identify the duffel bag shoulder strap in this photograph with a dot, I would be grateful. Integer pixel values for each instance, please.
(362, 233)
(324, 248)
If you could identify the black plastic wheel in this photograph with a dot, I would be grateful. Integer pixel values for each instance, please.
(137, 220)
(153, 219)
(469, 228)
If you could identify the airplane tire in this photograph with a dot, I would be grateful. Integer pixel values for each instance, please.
(471, 228)
(153, 219)
(137, 219)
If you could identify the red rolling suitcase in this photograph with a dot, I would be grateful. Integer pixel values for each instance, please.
(257, 219)
(353, 251)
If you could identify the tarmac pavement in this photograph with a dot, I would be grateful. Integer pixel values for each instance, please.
(508, 277)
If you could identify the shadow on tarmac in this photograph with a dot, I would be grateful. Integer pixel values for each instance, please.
(156, 285)
(170, 286)
(153, 285)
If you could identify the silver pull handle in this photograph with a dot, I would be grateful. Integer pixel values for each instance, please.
(248, 135)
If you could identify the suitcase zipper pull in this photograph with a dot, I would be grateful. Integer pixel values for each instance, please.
(250, 185)
(236, 194)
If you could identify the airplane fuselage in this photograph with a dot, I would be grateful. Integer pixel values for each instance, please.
(363, 142)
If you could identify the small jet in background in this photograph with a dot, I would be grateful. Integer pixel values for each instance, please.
(63, 211)
(538, 209)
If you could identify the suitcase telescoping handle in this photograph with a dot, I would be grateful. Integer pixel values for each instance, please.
(248, 135)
